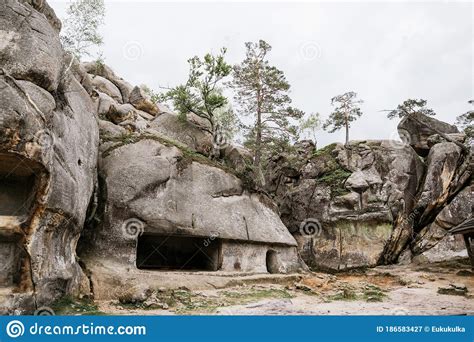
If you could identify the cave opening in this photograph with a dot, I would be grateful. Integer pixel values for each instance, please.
(17, 186)
(155, 252)
(272, 262)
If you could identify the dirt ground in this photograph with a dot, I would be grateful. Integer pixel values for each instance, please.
(436, 289)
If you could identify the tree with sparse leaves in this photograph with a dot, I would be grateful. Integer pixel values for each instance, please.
(311, 124)
(262, 91)
(202, 94)
(81, 27)
(466, 122)
(410, 106)
(347, 110)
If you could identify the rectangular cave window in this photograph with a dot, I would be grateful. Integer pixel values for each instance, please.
(177, 253)
(17, 186)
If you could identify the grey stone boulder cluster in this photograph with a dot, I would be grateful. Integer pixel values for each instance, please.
(377, 202)
(93, 174)
(117, 100)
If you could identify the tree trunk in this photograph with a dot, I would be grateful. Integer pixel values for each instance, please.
(347, 130)
(258, 140)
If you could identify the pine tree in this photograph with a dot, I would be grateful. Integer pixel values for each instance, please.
(466, 122)
(202, 95)
(347, 110)
(262, 91)
(410, 106)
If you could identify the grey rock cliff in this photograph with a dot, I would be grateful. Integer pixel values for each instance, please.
(48, 154)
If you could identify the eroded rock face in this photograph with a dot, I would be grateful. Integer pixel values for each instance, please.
(155, 194)
(187, 133)
(341, 203)
(366, 203)
(417, 135)
(48, 153)
(29, 47)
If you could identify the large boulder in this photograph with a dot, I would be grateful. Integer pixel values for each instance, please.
(341, 203)
(184, 132)
(159, 193)
(443, 162)
(103, 85)
(29, 46)
(48, 156)
(417, 135)
(142, 101)
(100, 69)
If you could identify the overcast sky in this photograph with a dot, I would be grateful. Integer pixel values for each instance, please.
(385, 51)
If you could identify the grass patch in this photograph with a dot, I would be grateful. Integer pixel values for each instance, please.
(326, 150)
(369, 293)
(372, 293)
(258, 294)
(334, 174)
(346, 294)
(70, 306)
(186, 302)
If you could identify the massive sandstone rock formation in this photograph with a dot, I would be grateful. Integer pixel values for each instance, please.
(154, 176)
(99, 185)
(366, 203)
(48, 154)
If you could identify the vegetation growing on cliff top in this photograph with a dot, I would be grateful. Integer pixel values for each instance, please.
(334, 175)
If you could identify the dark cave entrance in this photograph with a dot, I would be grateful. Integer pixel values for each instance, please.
(17, 195)
(272, 262)
(178, 253)
(17, 186)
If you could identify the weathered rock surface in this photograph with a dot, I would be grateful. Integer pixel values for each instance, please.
(157, 190)
(340, 203)
(105, 86)
(156, 193)
(183, 131)
(48, 154)
(417, 135)
(366, 203)
(29, 46)
(141, 101)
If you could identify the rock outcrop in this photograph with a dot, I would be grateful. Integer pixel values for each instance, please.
(341, 201)
(100, 186)
(194, 213)
(48, 154)
(58, 118)
(416, 129)
(365, 203)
